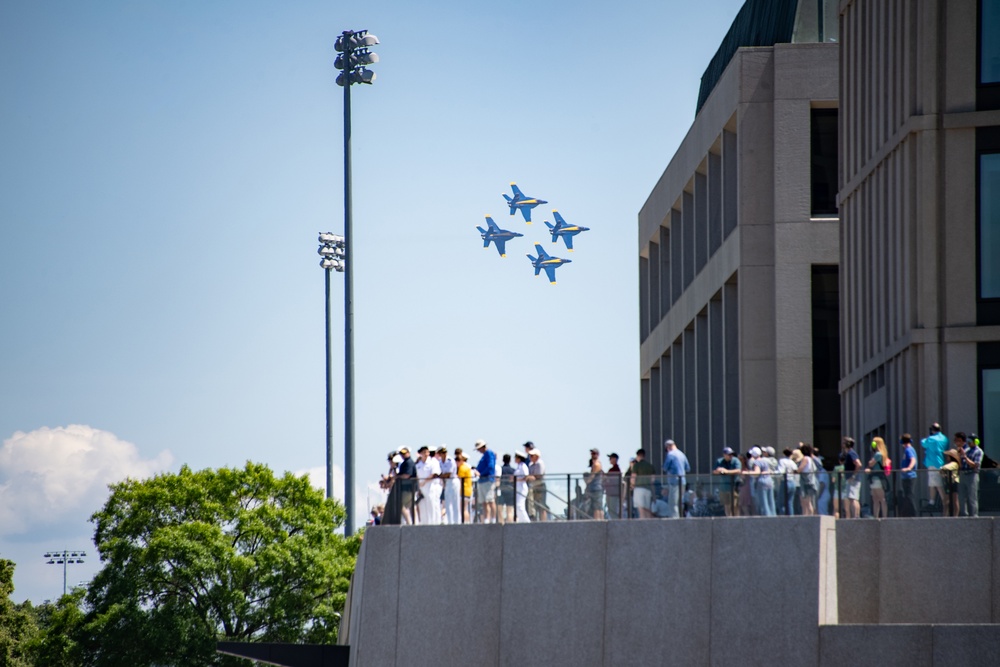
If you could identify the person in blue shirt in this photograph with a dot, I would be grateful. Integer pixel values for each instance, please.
(485, 487)
(730, 466)
(934, 446)
(675, 464)
(908, 468)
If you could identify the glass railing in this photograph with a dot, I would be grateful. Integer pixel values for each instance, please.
(581, 497)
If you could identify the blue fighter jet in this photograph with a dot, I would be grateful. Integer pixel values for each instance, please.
(497, 236)
(544, 261)
(525, 204)
(567, 232)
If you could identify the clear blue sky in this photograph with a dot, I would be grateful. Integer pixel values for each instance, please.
(164, 170)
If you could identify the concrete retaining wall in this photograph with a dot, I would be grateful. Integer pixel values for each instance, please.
(702, 592)
(923, 571)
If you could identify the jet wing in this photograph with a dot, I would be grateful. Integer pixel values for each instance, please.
(550, 271)
(568, 238)
(526, 212)
(501, 245)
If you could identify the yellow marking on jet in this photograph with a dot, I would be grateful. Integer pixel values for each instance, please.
(513, 183)
(569, 249)
(503, 255)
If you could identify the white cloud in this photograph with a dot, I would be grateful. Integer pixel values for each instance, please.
(51, 476)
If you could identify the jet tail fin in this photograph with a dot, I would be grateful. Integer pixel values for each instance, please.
(481, 230)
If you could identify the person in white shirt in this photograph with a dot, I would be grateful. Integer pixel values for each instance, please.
(429, 485)
(452, 493)
(520, 488)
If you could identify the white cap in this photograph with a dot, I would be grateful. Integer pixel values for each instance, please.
(770, 450)
(535, 452)
(480, 443)
(397, 459)
(755, 452)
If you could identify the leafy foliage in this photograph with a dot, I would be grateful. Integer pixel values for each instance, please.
(17, 622)
(196, 557)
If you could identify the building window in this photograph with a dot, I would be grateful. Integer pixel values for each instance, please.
(823, 159)
(989, 225)
(989, 41)
(991, 412)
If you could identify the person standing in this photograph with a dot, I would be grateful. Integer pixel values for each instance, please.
(485, 487)
(538, 494)
(675, 465)
(465, 477)
(878, 481)
(406, 476)
(452, 492)
(970, 461)
(520, 488)
(641, 481)
(595, 486)
(907, 475)
(429, 483)
(934, 446)
(852, 479)
(760, 469)
(808, 484)
(613, 487)
(788, 475)
(729, 466)
(505, 492)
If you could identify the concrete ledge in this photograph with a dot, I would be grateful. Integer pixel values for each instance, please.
(875, 646)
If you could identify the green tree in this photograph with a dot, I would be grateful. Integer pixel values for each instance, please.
(17, 622)
(197, 557)
(57, 642)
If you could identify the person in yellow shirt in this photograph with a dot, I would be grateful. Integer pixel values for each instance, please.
(464, 474)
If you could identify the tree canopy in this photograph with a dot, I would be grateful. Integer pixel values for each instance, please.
(228, 554)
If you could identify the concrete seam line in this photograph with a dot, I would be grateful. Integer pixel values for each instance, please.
(711, 583)
(399, 579)
(503, 537)
(604, 629)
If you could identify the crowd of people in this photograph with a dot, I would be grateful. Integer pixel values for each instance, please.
(441, 487)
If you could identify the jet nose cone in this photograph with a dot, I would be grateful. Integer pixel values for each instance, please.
(568, 261)
(542, 201)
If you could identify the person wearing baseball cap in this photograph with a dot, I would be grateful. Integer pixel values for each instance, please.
(407, 476)
(729, 465)
(485, 488)
(538, 508)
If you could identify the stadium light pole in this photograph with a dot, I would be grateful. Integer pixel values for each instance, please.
(354, 56)
(64, 558)
(332, 258)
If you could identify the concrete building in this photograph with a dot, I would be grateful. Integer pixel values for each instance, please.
(738, 247)
(920, 209)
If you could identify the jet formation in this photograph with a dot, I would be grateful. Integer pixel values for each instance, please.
(561, 229)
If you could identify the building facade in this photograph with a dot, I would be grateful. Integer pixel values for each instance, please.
(920, 205)
(738, 250)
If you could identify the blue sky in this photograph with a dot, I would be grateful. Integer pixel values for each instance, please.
(164, 170)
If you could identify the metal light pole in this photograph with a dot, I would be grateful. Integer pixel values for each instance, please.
(64, 558)
(354, 55)
(332, 258)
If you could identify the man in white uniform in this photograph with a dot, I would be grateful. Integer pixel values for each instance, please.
(449, 477)
(520, 488)
(429, 485)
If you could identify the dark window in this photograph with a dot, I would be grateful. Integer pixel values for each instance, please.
(989, 225)
(826, 359)
(823, 154)
(989, 41)
(990, 410)
(988, 75)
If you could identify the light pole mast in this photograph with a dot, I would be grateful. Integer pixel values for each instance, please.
(353, 46)
(64, 558)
